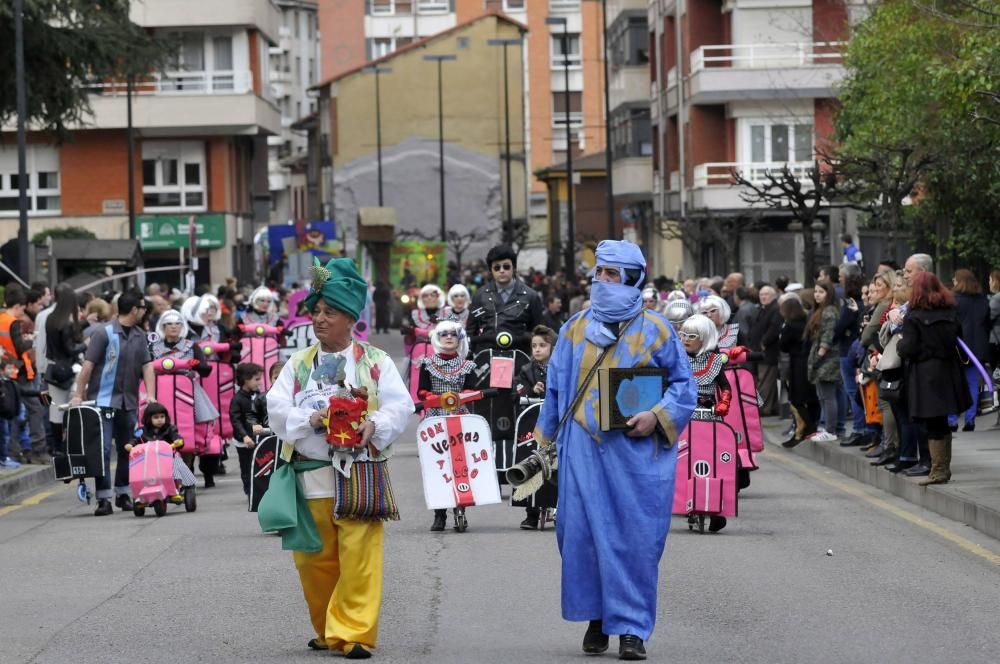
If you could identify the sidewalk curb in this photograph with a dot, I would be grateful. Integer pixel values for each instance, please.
(22, 481)
(946, 499)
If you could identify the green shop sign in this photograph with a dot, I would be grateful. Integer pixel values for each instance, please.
(172, 231)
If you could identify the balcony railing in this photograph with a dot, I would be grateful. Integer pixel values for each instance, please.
(564, 5)
(766, 56)
(671, 77)
(182, 83)
(720, 174)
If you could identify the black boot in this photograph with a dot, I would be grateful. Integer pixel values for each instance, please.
(440, 519)
(124, 503)
(631, 648)
(595, 641)
(531, 520)
(716, 523)
(791, 442)
(104, 507)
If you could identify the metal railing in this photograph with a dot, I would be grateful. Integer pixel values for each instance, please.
(181, 83)
(764, 56)
(720, 174)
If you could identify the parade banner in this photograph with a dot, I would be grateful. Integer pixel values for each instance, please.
(456, 462)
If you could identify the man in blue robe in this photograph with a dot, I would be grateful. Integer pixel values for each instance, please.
(616, 488)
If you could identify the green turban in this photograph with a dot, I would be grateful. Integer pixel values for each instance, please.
(340, 285)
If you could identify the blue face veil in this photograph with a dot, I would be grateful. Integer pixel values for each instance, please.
(615, 303)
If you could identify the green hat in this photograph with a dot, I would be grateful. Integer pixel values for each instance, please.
(339, 284)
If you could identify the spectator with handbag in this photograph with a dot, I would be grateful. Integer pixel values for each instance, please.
(63, 348)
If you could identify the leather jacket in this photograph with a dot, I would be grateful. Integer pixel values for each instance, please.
(488, 315)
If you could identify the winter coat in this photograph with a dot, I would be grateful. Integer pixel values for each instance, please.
(932, 371)
(792, 340)
(974, 316)
(489, 315)
(825, 369)
(765, 331)
(995, 319)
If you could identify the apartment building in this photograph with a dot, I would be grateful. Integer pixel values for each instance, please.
(357, 32)
(295, 67)
(741, 85)
(201, 129)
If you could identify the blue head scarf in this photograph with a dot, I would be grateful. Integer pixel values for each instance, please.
(615, 303)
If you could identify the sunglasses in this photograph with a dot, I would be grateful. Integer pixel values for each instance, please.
(448, 333)
(503, 266)
(688, 336)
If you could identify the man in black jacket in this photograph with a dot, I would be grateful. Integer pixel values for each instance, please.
(505, 304)
(764, 339)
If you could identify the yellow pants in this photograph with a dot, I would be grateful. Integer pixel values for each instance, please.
(342, 583)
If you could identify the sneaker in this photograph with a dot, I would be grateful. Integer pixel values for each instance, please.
(823, 437)
(7, 462)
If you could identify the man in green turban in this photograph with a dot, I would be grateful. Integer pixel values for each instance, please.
(333, 527)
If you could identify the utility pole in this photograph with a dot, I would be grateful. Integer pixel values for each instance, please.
(570, 240)
(607, 125)
(129, 90)
(508, 230)
(440, 59)
(378, 123)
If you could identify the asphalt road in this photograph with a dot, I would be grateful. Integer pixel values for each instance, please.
(902, 585)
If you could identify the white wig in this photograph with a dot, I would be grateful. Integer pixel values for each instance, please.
(194, 307)
(458, 289)
(677, 295)
(171, 316)
(260, 292)
(714, 301)
(431, 288)
(651, 292)
(189, 308)
(705, 329)
(678, 311)
(450, 326)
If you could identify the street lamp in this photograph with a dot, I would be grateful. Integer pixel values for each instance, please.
(439, 59)
(607, 124)
(21, 95)
(570, 245)
(378, 120)
(508, 231)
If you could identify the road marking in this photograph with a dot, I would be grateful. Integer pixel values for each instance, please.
(27, 502)
(940, 531)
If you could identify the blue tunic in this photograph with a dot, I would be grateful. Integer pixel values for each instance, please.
(615, 492)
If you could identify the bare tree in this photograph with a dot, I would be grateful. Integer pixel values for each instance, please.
(704, 229)
(804, 198)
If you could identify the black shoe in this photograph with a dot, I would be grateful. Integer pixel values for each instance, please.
(358, 652)
(104, 507)
(742, 479)
(314, 644)
(124, 503)
(595, 641)
(953, 427)
(969, 426)
(922, 469)
(530, 523)
(440, 519)
(885, 459)
(875, 453)
(791, 442)
(222, 469)
(631, 648)
(853, 440)
(716, 523)
(209, 482)
(900, 466)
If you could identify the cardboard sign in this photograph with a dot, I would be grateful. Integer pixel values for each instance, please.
(456, 462)
(502, 372)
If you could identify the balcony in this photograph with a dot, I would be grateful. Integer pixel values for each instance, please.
(729, 72)
(715, 188)
(629, 84)
(633, 176)
(260, 14)
(216, 102)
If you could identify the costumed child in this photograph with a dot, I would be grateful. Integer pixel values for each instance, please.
(416, 328)
(718, 311)
(700, 338)
(243, 416)
(447, 370)
(458, 304)
(260, 403)
(156, 425)
(531, 383)
(263, 309)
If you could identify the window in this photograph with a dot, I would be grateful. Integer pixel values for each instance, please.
(564, 5)
(312, 71)
(173, 176)
(383, 7)
(559, 109)
(509, 5)
(559, 154)
(295, 24)
(43, 180)
(631, 133)
(628, 40)
(779, 141)
(203, 62)
(381, 46)
(572, 40)
(433, 6)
